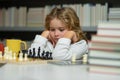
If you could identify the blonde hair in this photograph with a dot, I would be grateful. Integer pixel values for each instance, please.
(69, 17)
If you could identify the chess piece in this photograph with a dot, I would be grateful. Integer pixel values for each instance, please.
(26, 57)
(6, 52)
(14, 55)
(10, 55)
(50, 55)
(30, 53)
(85, 58)
(73, 58)
(34, 53)
(20, 56)
(38, 55)
(42, 56)
(46, 55)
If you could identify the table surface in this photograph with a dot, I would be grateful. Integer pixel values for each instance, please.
(50, 71)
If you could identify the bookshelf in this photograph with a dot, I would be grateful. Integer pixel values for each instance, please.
(21, 32)
(91, 29)
(30, 32)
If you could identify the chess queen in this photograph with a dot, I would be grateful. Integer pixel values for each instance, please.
(62, 35)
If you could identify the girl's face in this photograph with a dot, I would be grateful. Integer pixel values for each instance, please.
(57, 29)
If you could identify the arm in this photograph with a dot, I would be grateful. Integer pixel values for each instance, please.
(71, 35)
(64, 49)
(39, 41)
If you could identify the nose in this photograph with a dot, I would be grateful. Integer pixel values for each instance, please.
(56, 33)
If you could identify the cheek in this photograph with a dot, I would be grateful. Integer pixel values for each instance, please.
(51, 34)
(62, 34)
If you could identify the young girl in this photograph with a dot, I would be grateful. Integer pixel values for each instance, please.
(62, 36)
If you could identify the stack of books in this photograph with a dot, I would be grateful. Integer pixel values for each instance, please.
(104, 53)
(114, 14)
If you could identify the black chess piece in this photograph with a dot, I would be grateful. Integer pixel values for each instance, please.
(38, 55)
(50, 55)
(30, 53)
(47, 55)
(24, 52)
(33, 56)
(42, 55)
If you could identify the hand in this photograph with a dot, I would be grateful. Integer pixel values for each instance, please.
(45, 34)
(71, 35)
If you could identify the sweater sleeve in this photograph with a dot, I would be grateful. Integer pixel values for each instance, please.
(64, 49)
(39, 41)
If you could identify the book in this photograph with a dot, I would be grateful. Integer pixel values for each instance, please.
(22, 16)
(114, 14)
(111, 28)
(86, 16)
(104, 62)
(110, 31)
(105, 38)
(104, 54)
(109, 25)
(105, 45)
(104, 69)
(35, 17)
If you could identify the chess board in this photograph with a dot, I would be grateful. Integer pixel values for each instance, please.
(29, 61)
(67, 62)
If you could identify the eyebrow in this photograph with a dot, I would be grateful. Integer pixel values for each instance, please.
(58, 27)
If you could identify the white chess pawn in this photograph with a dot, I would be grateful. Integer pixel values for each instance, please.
(74, 58)
(21, 56)
(85, 58)
(6, 54)
(14, 55)
(26, 57)
(10, 55)
(6, 48)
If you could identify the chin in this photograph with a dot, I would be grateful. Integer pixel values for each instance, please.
(56, 40)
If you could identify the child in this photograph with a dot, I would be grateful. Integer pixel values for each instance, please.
(62, 36)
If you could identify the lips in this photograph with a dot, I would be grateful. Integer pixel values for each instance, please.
(56, 39)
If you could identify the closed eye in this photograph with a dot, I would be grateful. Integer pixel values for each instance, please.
(61, 30)
(52, 29)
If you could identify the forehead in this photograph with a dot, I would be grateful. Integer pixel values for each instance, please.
(55, 23)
